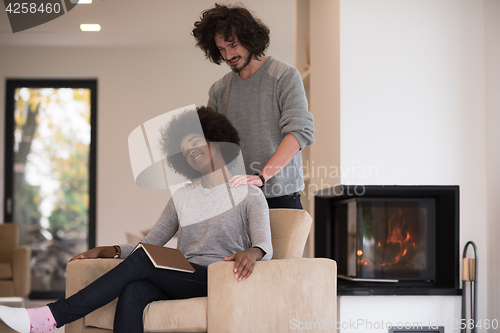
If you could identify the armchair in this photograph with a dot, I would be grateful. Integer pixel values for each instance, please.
(15, 273)
(281, 295)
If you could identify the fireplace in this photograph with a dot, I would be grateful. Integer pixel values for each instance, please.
(390, 239)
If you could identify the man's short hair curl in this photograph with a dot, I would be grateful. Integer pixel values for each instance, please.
(231, 22)
(215, 128)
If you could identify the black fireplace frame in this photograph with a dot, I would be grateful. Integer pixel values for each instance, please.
(447, 228)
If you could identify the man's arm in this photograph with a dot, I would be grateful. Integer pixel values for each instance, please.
(296, 124)
(286, 150)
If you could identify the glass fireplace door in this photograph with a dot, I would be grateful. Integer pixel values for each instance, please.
(396, 238)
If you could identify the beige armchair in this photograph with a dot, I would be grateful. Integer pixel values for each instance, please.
(281, 295)
(15, 274)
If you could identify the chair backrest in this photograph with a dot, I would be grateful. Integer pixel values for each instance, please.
(289, 231)
(9, 239)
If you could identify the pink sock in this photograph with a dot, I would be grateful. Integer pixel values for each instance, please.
(42, 320)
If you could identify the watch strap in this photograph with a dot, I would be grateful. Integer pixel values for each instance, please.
(261, 178)
(117, 252)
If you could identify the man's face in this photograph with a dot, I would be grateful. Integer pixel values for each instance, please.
(235, 55)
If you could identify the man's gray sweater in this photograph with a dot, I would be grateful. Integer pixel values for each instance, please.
(264, 108)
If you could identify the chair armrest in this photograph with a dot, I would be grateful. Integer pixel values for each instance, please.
(21, 272)
(279, 296)
(81, 273)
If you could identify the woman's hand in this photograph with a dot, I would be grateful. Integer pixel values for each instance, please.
(97, 252)
(245, 179)
(244, 262)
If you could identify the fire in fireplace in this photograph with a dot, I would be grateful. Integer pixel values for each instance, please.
(388, 238)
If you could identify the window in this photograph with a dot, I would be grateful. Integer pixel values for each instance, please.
(50, 173)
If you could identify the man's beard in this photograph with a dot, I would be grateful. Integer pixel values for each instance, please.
(239, 69)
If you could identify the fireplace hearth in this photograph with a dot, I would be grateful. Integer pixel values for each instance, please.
(390, 239)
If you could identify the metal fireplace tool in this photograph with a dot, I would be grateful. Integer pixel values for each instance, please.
(469, 274)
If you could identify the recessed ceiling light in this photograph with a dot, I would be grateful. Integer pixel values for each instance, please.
(90, 27)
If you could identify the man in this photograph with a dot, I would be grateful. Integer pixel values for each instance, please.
(263, 98)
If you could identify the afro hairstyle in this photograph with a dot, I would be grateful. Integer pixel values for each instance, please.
(216, 128)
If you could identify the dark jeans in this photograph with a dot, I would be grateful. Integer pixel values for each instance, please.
(136, 283)
(286, 201)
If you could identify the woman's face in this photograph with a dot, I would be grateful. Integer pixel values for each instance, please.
(197, 151)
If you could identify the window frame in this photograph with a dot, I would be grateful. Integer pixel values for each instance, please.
(9, 155)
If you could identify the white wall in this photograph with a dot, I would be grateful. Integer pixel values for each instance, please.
(413, 105)
(134, 85)
(492, 34)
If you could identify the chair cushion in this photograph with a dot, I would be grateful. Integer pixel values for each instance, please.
(184, 315)
(5, 271)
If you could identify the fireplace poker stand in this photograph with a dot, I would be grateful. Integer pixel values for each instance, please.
(469, 275)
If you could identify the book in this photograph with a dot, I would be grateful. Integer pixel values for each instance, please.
(166, 257)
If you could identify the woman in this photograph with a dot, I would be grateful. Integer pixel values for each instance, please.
(215, 223)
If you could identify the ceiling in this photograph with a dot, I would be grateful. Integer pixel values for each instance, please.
(124, 23)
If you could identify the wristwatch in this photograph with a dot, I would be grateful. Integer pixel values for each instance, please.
(117, 252)
(261, 178)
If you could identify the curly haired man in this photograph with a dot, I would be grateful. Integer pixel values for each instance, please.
(264, 99)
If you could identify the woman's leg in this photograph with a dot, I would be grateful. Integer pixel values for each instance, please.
(131, 304)
(110, 285)
(159, 284)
